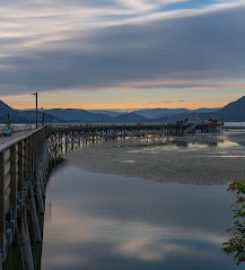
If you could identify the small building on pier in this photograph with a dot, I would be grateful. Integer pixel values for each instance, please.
(209, 126)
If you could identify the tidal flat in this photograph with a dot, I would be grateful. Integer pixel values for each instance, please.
(197, 162)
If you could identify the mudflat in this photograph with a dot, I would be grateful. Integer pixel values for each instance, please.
(191, 163)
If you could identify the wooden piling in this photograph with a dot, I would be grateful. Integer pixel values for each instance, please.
(34, 215)
(25, 243)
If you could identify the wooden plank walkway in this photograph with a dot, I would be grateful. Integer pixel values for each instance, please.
(5, 141)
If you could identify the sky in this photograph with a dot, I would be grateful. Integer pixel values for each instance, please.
(122, 54)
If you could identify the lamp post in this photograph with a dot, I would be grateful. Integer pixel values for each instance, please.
(36, 95)
(43, 116)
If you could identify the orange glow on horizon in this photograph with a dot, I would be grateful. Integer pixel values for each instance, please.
(27, 102)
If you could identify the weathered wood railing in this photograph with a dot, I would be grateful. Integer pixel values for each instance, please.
(176, 129)
(24, 166)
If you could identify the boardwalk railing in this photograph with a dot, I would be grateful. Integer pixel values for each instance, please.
(18, 127)
(23, 169)
(104, 131)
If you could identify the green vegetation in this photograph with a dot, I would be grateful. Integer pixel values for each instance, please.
(236, 244)
(8, 121)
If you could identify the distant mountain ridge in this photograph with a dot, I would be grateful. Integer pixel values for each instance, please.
(21, 116)
(234, 111)
(4, 108)
(111, 113)
(160, 112)
(76, 115)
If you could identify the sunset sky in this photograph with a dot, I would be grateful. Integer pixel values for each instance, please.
(122, 54)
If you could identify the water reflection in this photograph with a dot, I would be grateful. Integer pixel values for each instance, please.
(101, 221)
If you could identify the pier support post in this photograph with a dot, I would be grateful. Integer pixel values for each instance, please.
(40, 179)
(34, 215)
(25, 243)
(20, 163)
(39, 197)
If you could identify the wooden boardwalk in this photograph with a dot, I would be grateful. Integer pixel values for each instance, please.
(5, 141)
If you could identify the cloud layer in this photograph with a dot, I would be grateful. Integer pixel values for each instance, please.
(112, 43)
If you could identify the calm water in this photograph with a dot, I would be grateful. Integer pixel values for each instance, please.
(98, 221)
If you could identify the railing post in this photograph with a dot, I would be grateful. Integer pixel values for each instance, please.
(26, 154)
(13, 181)
(30, 153)
(20, 163)
(2, 210)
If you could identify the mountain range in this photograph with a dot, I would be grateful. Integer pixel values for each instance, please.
(21, 116)
(234, 111)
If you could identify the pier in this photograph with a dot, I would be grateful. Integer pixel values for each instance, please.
(26, 161)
